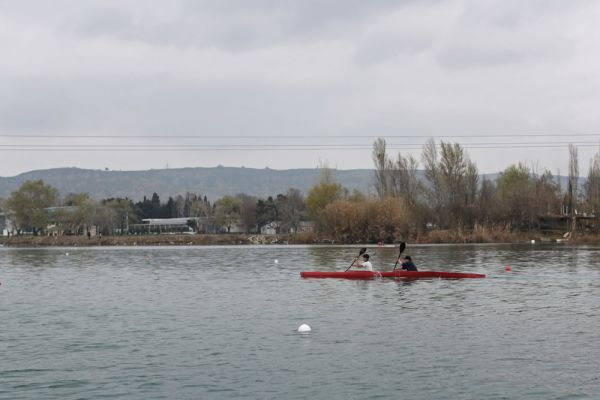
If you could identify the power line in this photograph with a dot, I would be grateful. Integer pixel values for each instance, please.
(190, 148)
(291, 145)
(280, 137)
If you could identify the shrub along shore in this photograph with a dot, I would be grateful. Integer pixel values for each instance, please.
(433, 237)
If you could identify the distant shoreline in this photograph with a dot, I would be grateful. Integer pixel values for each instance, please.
(256, 239)
(148, 240)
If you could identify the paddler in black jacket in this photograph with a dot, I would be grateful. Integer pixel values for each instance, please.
(407, 264)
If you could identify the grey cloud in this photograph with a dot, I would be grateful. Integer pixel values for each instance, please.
(146, 106)
(383, 48)
(314, 84)
(510, 33)
(498, 50)
(102, 21)
(510, 14)
(308, 13)
(185, 29)
(235, 24)
(298, 20)
(34, 105)
(470, 56)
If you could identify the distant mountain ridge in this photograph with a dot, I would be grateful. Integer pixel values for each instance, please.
(211, 182)
(214, 182)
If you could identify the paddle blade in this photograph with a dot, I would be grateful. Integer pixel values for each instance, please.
(402, 247)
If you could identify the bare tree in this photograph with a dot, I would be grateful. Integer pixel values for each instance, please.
(453, 183)
(291, 208)
(248, 218)
(573, 180)
(452, 167)
(395, 178)
(180, 206)
(382, 168)
(470, 190)
(434, 190)
(406, 184)
(486, 202)
(592, 185)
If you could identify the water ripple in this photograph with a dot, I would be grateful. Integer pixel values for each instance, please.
(220, 322)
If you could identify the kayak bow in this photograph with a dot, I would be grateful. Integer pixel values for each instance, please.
(389, 274)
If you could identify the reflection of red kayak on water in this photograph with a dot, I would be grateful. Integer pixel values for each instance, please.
(389, 274)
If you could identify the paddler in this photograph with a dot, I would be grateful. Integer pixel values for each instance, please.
(407, 264)
(366, 264)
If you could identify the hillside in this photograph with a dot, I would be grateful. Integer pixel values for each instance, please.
(211, 182)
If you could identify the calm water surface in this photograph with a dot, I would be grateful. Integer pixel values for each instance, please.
(220, 323)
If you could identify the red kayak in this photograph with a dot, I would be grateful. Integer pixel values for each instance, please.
(388, 274)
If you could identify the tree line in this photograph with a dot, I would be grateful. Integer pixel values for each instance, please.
(36, 208)
(443, 191)
(453, 195)
(410, 197)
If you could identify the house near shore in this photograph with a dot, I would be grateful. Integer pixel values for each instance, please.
(566, 223)
(275, 227)
(270, 228)
(305, 227)
(57, 222)
(173, 225)
(60, 222)
(7, 225)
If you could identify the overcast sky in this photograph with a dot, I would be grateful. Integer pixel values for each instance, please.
(139, 84)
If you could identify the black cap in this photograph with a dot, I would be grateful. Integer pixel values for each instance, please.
(407, 258)
(366, 256)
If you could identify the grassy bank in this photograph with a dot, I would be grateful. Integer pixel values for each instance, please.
(153, 240)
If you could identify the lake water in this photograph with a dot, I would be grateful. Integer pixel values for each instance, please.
(221, 323)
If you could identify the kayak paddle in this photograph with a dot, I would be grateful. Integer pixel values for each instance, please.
(360, 253)
(402, 247)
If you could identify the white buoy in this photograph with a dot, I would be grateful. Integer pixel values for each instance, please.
(532, 241)
(276, 261)
(67, 253)
(304, 328)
